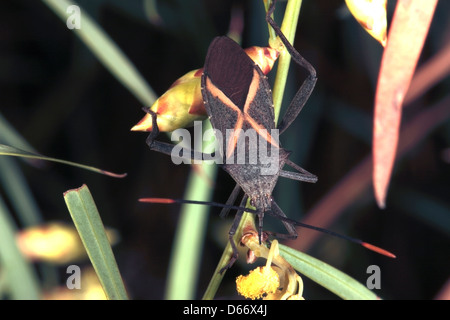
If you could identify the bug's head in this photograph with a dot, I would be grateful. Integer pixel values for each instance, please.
(263, 204)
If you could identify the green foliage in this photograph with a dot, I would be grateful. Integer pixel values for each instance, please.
(334, 280)
(90, 227)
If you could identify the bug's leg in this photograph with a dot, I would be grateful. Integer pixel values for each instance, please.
(155, 132)
(308, 85)
(231, 200)
(301, 175)
(231, 233)
(167, 148)
(288, 224)
(300, 99)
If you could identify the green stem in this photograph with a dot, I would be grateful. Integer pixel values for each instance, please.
(186, 253)
(213, 286)
(288, 27)
(18, 276)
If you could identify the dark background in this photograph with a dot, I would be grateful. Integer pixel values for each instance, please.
(67, 105)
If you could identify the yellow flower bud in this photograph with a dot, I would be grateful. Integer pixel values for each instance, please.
(182, 103)
(178, 107)
(54, 242)
(371, 15)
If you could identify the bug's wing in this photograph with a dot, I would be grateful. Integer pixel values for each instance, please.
(237, 96)
(229, 69)
(233, 83)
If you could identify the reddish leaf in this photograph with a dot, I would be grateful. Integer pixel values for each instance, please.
(356, 183)
(407, 35)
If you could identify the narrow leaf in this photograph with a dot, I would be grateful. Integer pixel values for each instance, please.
(11, 136)
(187, 248)
(106, 50)
(20, 279)
(90, 227)
(327, 276)
(11, 151)
(406, 38)
(18, 191)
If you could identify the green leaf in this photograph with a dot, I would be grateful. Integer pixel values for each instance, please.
(87, 220)
(188, 243)
(18, 192)
(19, 279)
(186, 253)
(106, 50)
(11, 151)
(11, 136)
(327, 276)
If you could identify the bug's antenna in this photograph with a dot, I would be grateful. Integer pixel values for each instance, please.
(335, 234)
(274, 214)
(206, 203)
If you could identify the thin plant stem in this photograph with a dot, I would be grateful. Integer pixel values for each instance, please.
(288, 27)
(186, 252)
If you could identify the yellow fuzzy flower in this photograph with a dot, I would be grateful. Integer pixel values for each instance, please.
(277, 280)
(258, 283)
